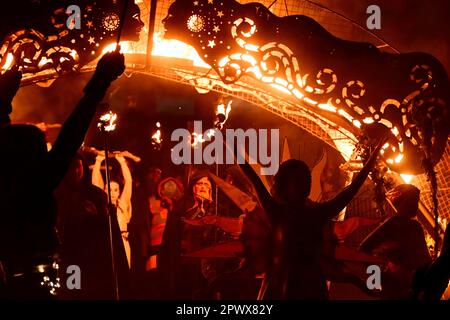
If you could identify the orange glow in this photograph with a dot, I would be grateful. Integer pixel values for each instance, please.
(326, 106)
(176, 49)
(407, 177)
(108, 121)
(9, 61)
(124, 47)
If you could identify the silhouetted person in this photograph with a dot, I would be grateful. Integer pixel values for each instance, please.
(29, 175)
(84, 234)
(9, 85)
(297, 223)
(400, 240)
(183, 235)
(120, 197)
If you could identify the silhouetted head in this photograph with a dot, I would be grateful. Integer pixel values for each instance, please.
(292, 183)
(77, 171)
(133, 23)
(405, 198)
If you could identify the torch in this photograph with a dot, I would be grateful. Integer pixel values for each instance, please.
(106, 125)
(222, 113)
(156, 138)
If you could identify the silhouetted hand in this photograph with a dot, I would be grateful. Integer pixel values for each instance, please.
(9, 85)
(111, 65)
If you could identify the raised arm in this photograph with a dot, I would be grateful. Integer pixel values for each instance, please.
(97, 179)
(264, 197)
(332, 207)
(128, 186)
(72, 134)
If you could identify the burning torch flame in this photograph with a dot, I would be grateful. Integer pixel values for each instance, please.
(222, 113)
(199, 138)
(157, 137)
(107, 121)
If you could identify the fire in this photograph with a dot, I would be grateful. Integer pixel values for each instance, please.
(164, 48)
(9, 61)
(222, 113)
(124, 47)
(221, 109)
(176, 49)
(156, 138)
(407, 177)
(108, 121)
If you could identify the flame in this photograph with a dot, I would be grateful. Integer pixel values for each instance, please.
(222, 113)
(210, 133)
(164, 48)
(407, 177)
(156, 137)
(398, 158)
(108, 121)
(9, 61)
(125, 47)
(176, 49)
(221, 109)
(197, 138)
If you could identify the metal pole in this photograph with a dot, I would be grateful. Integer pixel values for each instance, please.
(110, 210)
(121, 23)
(151, 31)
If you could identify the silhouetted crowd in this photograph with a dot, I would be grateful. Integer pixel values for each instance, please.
(171, 239)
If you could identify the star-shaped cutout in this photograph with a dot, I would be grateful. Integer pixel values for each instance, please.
(195, 3)
(216, 29)
(220, 14)
(211, 43)
(210, 1)
(91, 40)
(89, 24)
